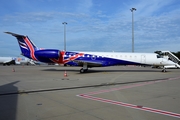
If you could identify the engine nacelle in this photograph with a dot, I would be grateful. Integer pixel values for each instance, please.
(47, 53)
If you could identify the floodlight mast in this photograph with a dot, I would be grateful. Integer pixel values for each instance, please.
(133, 9)
(64, 23)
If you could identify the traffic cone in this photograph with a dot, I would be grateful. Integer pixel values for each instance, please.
(65, 74)
(13, 70)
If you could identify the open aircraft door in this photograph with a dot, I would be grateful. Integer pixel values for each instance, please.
(143, 59)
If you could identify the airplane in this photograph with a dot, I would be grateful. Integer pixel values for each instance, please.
(23, 61)
(7, 61)
(87, 59)
(16, 61)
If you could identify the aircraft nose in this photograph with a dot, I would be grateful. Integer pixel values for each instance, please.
(169, 62)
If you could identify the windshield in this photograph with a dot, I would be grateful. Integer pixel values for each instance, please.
(159, 56)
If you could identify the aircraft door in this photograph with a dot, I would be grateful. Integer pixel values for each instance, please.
(143, 59)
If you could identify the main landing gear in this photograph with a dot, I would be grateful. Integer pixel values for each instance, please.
(84, 69)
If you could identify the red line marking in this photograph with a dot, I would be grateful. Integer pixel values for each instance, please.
(88, 96)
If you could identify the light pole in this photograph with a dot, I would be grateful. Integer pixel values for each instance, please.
(64, 23)
(133, 28)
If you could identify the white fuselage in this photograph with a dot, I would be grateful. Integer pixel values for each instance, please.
(142, 58)
(4, 60)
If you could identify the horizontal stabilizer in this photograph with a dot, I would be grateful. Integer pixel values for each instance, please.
(14, 34)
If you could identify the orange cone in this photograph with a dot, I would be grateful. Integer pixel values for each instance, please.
(65, 74)
(13, 70)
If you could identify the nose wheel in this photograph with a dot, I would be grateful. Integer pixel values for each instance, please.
(164, 70)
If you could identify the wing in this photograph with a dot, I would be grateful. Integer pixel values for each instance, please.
(89, 63)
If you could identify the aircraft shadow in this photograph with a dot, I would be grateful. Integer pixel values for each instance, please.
(8, 103)
(98, 71)
(114, 71)
(53, 70)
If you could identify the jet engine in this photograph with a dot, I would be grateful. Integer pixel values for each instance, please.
(47, 53)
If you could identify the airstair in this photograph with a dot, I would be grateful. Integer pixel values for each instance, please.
(168, 55)
(32, 62)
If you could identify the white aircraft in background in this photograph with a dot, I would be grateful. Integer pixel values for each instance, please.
(7, 61)
(16, 61)
(87, 59)
(23, 61)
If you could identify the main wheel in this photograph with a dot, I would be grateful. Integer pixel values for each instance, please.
(81, 70)
(164, 70)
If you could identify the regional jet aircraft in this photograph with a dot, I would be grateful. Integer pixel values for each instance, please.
(87, 59)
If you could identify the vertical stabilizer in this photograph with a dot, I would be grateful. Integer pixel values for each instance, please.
(26, 45)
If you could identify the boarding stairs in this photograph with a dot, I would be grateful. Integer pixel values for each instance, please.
(31, 62)
(170, 56)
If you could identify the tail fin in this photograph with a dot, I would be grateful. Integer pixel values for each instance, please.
(26, 45)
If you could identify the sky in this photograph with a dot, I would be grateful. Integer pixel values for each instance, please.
(92, 25)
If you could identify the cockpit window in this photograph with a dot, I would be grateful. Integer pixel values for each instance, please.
(159, 56)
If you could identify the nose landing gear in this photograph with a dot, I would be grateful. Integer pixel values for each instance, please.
(164, 69)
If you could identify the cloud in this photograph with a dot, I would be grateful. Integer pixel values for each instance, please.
(84, 6)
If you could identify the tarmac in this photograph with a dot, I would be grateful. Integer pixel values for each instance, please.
(104, 93)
